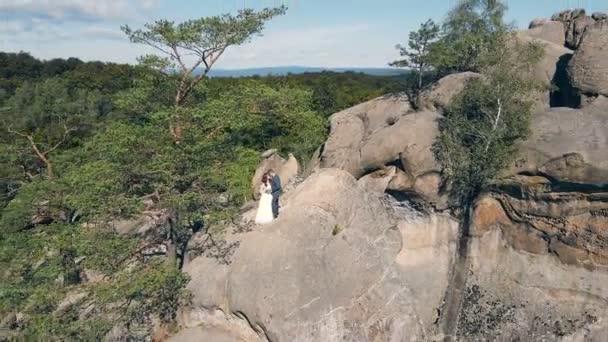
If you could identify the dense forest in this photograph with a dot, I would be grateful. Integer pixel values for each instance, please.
(88, 148)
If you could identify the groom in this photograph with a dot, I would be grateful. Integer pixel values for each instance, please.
(275, 188)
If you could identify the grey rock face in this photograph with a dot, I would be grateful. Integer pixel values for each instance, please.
(339, 264)
(589, 67)
(552, 31)
(537, 22)
(342, 264)
(551, 70)
(569, 144)
(568, 15)
(599, 16)
(383, 132)
(535, 272)
(350, 128)
(441, 94)
(576, 28)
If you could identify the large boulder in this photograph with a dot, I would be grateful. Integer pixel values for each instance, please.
(383, 132)
(408, 141)
(576, 29)
(536, 22)
(286, 169)
(588, 68)
(350, 127)
(599, 16)
(575, 23)
(547, 66)
(441, 93)
(570, 145)
(568, 15)
(551, 31)
(552, 71)
(339, 264)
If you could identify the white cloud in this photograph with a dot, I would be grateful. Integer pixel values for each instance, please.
(75, 9)
(12, 27)
(332, 46)
(98, 32)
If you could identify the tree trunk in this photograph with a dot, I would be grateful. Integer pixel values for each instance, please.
(44, 159)
(49, 169)
(171, 260)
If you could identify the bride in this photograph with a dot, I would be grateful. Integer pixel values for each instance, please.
(264, 214)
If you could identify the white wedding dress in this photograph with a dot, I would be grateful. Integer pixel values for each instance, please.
(264, 214)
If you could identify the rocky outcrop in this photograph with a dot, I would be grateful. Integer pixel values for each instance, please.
(537, 22)
(538, 264)
(568, 15)
(550, 31)
(351, 128)
(339, 264)
(383, 132)
(441, 93)
(588, 68)
(568, 145)
(599, 16)
(574, 23)
(552, 71)
(271, 160)
(576, 30)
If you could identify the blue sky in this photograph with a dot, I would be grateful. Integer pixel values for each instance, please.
(329, 33)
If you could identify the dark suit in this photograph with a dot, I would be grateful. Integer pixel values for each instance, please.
(275, 188)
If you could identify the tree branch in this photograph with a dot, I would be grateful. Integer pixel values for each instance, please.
(495, 124)
(178, 58)
(29, 138)
(66, 131)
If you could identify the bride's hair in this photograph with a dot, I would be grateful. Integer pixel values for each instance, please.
(265, 178)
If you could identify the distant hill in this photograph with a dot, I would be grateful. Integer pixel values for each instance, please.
(284, 70)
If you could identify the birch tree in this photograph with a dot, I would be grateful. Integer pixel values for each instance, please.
(480, 128)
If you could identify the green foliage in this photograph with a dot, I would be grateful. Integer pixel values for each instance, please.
(38, 197)
(238, 172)
(155, 289)
(257, 116)
(325, 97)
(469, 31)
(38, 266)
(204, 39)
(102, 191)
(481, 126)
(417, 52)
(17, 68)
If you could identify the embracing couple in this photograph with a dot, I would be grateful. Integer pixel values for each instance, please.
(270, 189)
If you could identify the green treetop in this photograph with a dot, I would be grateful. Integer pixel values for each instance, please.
(194, 44)
(416, 52)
